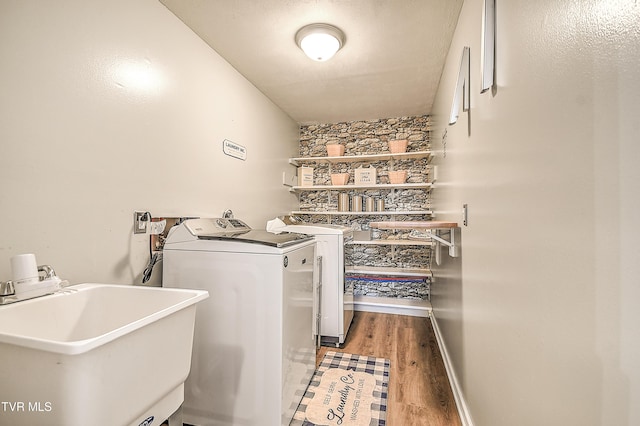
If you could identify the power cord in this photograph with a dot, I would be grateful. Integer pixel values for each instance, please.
(155, 258)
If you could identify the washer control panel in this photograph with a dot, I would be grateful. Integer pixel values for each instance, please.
(215, 227)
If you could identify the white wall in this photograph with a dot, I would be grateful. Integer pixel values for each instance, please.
(540, 313)
(113, 106)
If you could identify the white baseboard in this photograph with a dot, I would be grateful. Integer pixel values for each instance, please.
(463, 409)
(388, 305)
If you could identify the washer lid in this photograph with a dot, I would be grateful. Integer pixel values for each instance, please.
(260, 236)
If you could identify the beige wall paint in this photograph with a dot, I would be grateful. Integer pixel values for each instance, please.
(540, 313)
(86, 139)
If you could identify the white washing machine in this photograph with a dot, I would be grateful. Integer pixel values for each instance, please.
(336, 305)
(254, 348)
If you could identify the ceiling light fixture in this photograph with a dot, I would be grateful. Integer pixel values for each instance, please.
(320, 41)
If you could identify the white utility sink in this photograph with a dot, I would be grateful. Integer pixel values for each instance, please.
(96, 354)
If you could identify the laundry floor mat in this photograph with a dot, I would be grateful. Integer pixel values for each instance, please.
(346, 390)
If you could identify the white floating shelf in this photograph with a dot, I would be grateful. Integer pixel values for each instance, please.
(364, 157)
(391, 243)
(382, 213)
(424, 224)
(387, 271)
(421, 185)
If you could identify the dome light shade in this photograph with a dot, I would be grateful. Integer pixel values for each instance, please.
(320, 41)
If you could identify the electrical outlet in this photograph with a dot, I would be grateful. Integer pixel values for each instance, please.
(465, 215)
(140, 220)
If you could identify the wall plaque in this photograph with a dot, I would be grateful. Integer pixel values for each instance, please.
(234, 150)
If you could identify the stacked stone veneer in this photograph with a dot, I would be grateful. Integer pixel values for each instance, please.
(371, 137)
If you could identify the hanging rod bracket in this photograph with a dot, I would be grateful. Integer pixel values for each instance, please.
(454, 249)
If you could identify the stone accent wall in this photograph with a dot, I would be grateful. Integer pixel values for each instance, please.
(365, 137)
(371, 137)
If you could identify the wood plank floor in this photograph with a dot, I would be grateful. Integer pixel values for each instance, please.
(419, 389)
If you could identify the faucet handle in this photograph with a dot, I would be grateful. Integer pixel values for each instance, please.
(6, 288)
(47, 270)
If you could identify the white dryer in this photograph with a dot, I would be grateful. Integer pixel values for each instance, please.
(254, 349)
(336, 305)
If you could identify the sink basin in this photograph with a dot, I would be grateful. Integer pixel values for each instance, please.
(96, 354)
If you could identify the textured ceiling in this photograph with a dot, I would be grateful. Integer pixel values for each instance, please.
(390, 65)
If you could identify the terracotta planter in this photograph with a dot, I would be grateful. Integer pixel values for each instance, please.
(339, 178)
(398, 176)
(398, 146)
(335, 150)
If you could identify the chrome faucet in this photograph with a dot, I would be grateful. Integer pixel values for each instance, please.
(48, 283)
(6, 288)
(47, 270)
